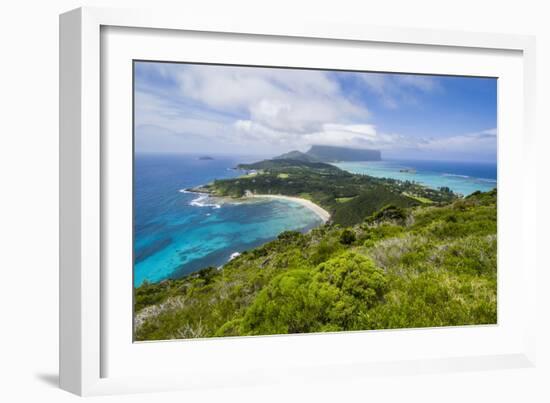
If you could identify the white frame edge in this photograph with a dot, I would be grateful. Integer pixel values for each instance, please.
(79, 164)
(80, 184)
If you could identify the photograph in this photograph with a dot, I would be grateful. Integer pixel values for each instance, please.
(272, 200)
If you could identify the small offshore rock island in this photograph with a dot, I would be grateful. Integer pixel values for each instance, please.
(388, 254)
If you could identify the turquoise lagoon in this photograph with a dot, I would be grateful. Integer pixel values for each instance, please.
(177, 232)
(461, 177)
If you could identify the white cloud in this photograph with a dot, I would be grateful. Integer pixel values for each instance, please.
(422, 83)
(472, 145)
(280, 107)
(395, 89)
(155, 111)
(294, 100)
(358, 135)
(275, 110)
(479, 142)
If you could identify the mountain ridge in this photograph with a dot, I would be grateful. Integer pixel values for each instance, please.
(325, 153)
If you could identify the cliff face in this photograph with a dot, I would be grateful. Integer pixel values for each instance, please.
(332, 154)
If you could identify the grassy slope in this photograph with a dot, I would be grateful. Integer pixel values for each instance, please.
(422, 266)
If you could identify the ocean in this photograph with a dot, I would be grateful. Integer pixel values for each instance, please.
(461, 177)
(177, 233)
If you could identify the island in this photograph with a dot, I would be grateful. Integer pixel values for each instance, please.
(347, 197)
(389, 254)
(205, 158)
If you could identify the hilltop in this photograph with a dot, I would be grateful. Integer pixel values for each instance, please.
(297, 156)
(335, 154)
(321, 153)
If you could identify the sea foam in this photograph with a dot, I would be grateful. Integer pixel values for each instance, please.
(202, 201)
(234, 255)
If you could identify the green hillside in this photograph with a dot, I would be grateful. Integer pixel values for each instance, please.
(426, 265)
(296, 156)
(348, 197)
(323, 153)
(284, 165)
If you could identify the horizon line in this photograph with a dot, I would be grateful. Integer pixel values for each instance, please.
(271, 155)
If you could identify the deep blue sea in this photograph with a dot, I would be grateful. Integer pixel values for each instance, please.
(461, 177)
(176, 233)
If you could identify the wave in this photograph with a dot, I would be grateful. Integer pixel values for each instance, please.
(234, 255)
(456, 175)
(202, 201)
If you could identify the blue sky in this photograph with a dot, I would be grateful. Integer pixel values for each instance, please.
(192, 108)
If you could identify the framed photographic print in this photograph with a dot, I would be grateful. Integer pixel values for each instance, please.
(266, 202)
(240, 204)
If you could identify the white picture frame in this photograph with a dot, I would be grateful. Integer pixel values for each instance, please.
(85, 343)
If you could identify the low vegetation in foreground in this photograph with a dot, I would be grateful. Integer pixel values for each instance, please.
(425, 264)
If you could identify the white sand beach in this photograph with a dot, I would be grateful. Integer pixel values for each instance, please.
(321, 212)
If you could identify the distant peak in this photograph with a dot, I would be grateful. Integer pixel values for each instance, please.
(296, 156)
(338, 153)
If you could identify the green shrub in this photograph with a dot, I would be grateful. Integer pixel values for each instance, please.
(327, 298)
(347, 237)
(283, 306)
(230, 328)
(372, 234)
(290, 236)
(476, 255)
(388, 213)
(324, 251)
(434, 298)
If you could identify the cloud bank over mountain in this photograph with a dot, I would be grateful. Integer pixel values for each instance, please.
(230, 109)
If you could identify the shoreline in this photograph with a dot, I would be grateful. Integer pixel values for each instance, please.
(321, 212)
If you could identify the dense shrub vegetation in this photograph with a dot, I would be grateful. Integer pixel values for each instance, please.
(416, 266)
